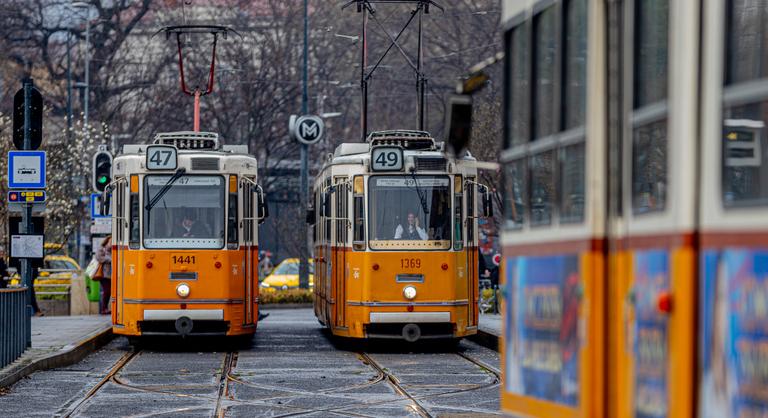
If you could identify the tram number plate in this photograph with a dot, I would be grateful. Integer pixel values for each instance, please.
(386, 159)
(181, 259)
(161, 157)
(410, 263)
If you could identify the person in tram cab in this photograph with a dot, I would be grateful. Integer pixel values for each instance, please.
(413, 230)
(191, 228)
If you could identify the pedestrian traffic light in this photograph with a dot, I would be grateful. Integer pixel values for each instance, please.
(102, 170)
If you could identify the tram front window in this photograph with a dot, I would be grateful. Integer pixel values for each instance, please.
(189, 215)
(410, 212)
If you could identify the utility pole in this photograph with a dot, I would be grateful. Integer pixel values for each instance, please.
(304, 183)
(25, 227)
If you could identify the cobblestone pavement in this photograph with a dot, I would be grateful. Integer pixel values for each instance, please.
(292, 368)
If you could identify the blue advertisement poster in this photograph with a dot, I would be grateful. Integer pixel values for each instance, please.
(650, 332)
(734, 333)
(542, 327)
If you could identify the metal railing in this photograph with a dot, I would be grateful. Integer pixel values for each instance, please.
(14, 324)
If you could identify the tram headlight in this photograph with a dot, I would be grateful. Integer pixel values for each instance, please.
(182, 290)
(409, 292)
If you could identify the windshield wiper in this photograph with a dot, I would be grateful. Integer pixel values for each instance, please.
(422, 196)
(177, 175)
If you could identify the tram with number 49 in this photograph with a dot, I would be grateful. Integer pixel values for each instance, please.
(185, 215)
(395, 239)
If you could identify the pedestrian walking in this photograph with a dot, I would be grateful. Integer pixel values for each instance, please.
(104, 274)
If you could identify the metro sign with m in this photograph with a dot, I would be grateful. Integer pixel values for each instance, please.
(309, 129)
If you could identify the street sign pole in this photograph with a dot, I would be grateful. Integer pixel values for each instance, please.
(304, 183)
(26, 213)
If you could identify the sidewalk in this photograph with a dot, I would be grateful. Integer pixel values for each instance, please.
(489, 331)
(58, 341)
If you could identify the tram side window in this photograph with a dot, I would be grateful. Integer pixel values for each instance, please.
(545, 53)
(118, 214)
(542, 188)
(572, 184)
(232, 221)
(745, 140)
(649, 135)
(515, 184)
(575, 64)
(134, 240)
(518, 113)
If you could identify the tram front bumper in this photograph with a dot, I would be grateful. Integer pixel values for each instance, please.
(409, 317)
(184, 322)
(174, 314)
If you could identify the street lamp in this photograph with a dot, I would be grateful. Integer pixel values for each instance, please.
(87, 84)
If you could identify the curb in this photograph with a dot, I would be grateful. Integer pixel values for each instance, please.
(486, 339)
(65, 356)
(267, 306)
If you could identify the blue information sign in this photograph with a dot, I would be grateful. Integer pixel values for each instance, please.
(26, 169)
(95, 203)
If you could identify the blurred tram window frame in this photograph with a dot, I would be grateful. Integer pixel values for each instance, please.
(523, 145)
(745, 93)
(648, 109)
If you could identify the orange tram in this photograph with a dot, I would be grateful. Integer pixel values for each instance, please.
(395, 239)
(635, 266)
(185, 215)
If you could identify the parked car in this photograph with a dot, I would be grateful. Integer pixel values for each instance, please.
(286, 276)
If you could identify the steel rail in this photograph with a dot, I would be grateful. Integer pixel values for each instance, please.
(395, 383)
(121, 362)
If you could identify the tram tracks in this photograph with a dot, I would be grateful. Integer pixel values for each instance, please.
(121, 362)
(230, 361)
(349, 395)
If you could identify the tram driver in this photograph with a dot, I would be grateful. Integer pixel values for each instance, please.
(412, 231)
(191, 228)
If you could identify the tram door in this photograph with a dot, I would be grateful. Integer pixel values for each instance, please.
(340, 247)
(250, 247)
(118, 258)
(472, 254)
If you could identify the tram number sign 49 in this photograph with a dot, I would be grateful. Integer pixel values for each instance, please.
(161, 157)
(386, 159)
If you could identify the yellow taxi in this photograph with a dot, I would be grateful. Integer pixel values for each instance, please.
(286, 276)
(57, 269)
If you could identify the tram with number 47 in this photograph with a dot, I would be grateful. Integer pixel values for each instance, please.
(395, 239)
(185, 215)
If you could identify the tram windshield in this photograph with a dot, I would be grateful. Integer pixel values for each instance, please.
(189, 215)
(409, 212)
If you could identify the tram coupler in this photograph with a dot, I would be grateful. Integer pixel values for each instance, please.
(411, 333)
(184, 326)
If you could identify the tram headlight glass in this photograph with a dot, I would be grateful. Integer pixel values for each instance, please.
(182, 290)
(409, 292)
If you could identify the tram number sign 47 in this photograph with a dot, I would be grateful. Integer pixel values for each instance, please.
(386, 159)
(161, 157)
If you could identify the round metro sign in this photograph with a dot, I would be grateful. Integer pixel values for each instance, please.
(309, 129)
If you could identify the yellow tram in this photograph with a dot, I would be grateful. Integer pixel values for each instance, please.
(185, 216)
(395, 234)
(636, 234)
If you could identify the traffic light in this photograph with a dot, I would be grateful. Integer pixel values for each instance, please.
(102, 170)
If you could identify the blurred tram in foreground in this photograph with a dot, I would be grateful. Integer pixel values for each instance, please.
(185, 214)
(636, 234)
(395, 232)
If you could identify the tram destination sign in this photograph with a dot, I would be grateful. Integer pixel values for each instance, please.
(161, 157)
(386, 159)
